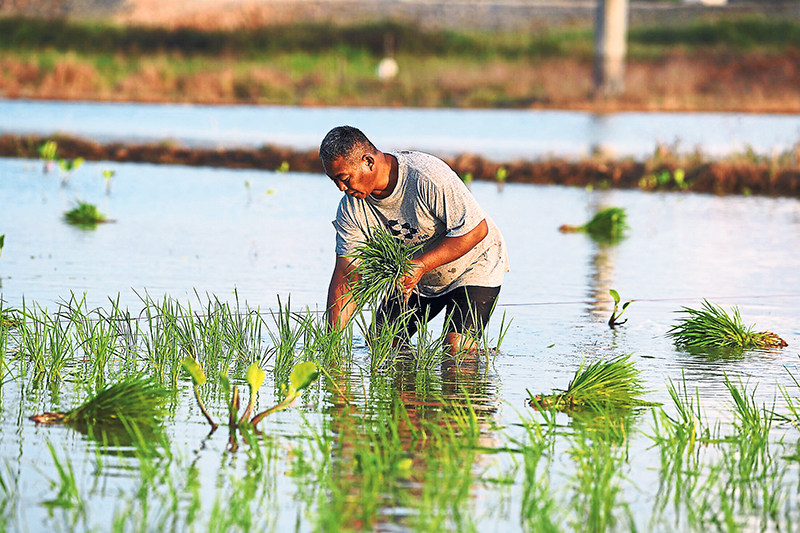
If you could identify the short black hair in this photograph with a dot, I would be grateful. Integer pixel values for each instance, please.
(347, 142)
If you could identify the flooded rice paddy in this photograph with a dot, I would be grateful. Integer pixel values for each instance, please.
(391, 449)
(496, 134)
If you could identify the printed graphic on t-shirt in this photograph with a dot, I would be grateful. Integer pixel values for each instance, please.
(404, 230)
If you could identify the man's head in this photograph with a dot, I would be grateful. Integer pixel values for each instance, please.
(346, 142)
(352, 162)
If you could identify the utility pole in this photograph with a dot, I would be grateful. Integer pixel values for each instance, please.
(610, 33)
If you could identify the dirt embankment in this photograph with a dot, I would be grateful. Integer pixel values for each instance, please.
(663, 172)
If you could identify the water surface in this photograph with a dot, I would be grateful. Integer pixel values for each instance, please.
(180, 231)
(496, 134)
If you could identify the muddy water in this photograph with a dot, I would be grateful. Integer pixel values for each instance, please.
(264, 234)
(496, 134)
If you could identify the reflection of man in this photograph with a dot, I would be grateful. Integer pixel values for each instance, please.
(420, 200)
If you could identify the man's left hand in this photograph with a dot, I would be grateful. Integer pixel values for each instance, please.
(411, 280)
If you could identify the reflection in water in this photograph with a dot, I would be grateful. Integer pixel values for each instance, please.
(601, 270)
(601, 277)
(408, 443)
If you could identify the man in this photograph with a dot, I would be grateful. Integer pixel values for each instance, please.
(420, 200)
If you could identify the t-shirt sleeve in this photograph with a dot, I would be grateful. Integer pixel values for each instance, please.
(451, 202)
(349, 234)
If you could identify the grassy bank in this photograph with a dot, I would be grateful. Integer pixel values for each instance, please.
(742, 65)
(746, 173)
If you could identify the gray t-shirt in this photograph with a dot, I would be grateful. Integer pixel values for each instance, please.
(428, 203)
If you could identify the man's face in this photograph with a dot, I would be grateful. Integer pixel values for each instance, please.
(354, 179)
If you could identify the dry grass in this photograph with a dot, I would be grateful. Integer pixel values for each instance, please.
(753, 82)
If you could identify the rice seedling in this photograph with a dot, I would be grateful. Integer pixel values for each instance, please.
(711, 326)
(162, 348)
(285, 339)
(67, 167)
(380, 263)
(85, 216)
(47, 153)
(610, 383)
(430, 348)
(68, 497)
(501, 176)
(597, 485)
(127, 332)
(303, 375)
(137, 401)
(255, 378)
(44, 345)
(2, 243)
(9, 497)
(108, 175)
(613, 322)
(384, 338)
(488, 344)
(95, 334)
(195, 371)
(606, 226)
(791, 403)
(328, 347)
(539, 510)
(752, 422)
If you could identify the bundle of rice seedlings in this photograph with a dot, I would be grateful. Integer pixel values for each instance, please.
(712, 326)
(608, 224)
(85, 215)
(380, 263)
(135, 400)
(611, 383)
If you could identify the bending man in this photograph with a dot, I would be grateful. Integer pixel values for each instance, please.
(419, 200)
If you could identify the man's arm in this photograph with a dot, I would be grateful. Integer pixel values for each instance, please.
(450, 249)
(340, 306)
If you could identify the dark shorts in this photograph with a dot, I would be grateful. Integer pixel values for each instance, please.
(469, 309)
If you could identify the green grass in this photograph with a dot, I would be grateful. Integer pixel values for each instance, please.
(711, 326)
(606, 383)
(85, 215)
(19, 33)
(740, 34)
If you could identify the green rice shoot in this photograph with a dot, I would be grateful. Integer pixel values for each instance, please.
(380, 264)
(137, 400)
(711, 326)
(604, 383)
(85, 215)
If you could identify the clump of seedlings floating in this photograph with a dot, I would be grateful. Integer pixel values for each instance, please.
(137, 400)
(606, 383)
(85, 215)
(607, 225)
(711, 326)
(380, 263)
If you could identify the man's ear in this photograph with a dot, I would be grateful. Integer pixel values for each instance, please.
(369, 161)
